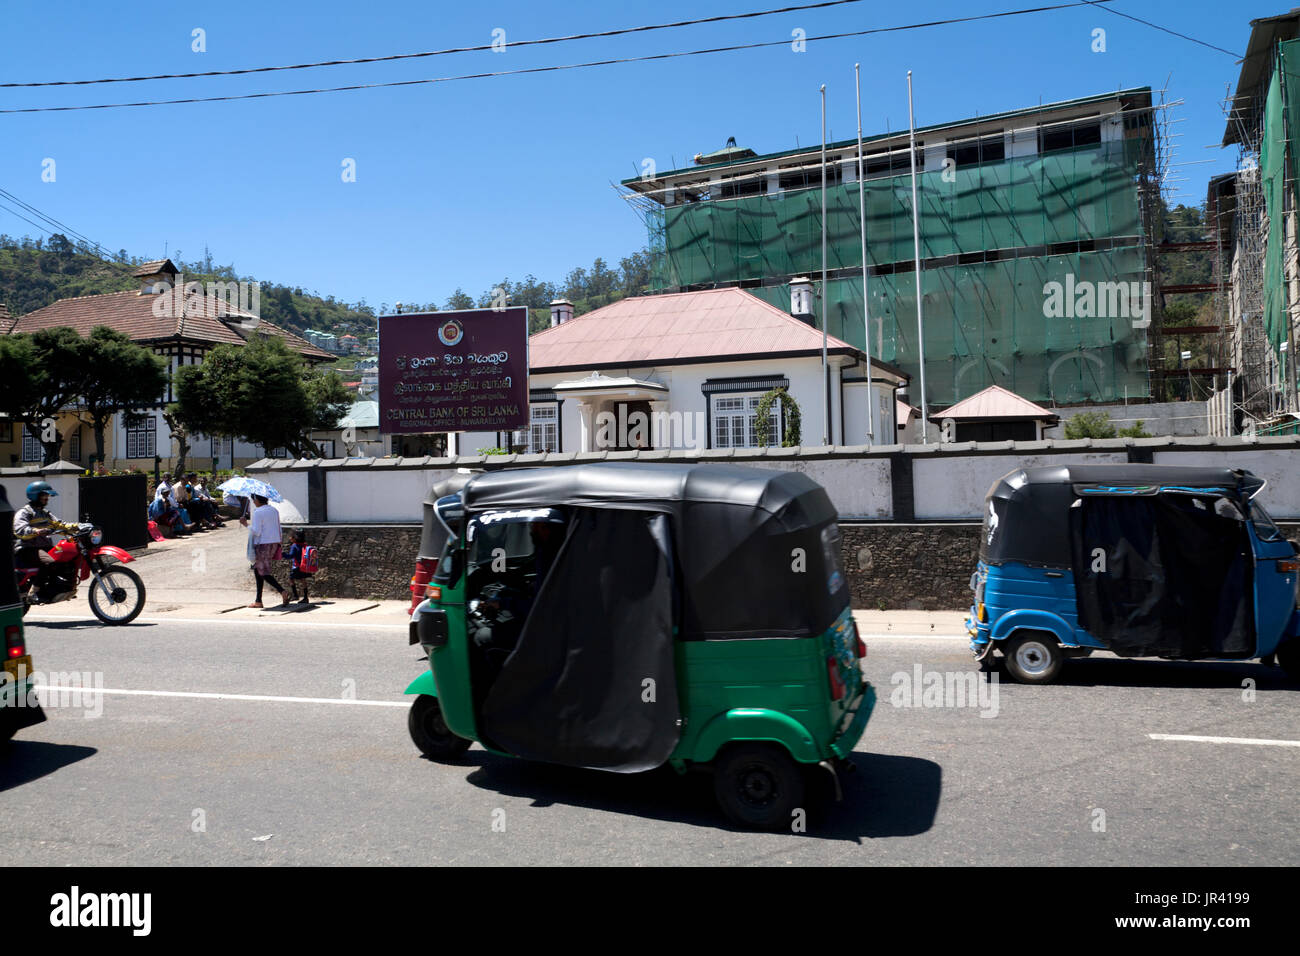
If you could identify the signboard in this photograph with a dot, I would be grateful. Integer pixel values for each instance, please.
(453, 371)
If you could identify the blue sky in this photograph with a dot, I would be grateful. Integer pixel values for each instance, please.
(462, 183)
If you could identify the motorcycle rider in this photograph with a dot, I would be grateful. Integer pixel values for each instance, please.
(33, 525)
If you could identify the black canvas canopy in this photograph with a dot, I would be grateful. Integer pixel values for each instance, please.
(749, 541)
(653, 552)
(1160, 555)
(433, 535)
(8, 587)
(1026, 513)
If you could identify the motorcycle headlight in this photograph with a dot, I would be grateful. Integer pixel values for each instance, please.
(96, 537)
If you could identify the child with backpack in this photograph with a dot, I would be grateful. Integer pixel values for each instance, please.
(303, 564)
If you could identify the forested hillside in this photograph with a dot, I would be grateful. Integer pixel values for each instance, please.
(36, 272)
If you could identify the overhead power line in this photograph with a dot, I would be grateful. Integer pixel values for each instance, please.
(553, 68)
(1156, 26)
(461, 49)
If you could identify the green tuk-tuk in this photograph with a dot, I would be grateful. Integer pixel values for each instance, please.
(18, 704)
(624, 615)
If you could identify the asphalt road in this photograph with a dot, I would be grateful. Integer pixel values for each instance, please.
(1066, 774)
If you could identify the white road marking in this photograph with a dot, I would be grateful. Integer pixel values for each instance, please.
(1257, 741)
(208, 620)
(264, 697)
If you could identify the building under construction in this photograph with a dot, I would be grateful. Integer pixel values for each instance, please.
(1036, 244)
(1252, 212)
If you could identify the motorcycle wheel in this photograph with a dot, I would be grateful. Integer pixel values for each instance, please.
(125, 600)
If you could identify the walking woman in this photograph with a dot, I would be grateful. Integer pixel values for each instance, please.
(264, 537)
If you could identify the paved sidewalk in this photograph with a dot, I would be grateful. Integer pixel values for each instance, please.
(206, 576)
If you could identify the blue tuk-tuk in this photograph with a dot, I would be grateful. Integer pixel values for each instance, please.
(1140, 560)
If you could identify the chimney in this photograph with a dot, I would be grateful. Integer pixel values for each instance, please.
(561, 312)
(152, 273)
(801, 300)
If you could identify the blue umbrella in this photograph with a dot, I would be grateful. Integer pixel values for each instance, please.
(242, 487)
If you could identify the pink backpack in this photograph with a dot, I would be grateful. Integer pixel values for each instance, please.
(307, 562)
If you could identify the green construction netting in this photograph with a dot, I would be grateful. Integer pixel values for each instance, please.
(987, 324)
(1272, 165)
(1065, 196)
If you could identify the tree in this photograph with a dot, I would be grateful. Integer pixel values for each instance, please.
(180, 434)
(262, 393)
(601, 281)
(1134, 431)
(789, 410)
(575, 285)
(59, 377)
(17, 380)
(121, 376)
(459, 301)
(1090, 425)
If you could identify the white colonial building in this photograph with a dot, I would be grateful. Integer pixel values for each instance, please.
(687, 371)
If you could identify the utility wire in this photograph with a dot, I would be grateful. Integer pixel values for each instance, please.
(62, 227)
(1156, 26)
(548, 69)
(461, 49)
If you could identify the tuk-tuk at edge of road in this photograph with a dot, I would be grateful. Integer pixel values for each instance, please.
(691, 615)
(1182, 563)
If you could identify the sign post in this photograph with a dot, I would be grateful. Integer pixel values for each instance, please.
(453, 371)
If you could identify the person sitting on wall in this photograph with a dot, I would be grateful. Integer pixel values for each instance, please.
(165, 513)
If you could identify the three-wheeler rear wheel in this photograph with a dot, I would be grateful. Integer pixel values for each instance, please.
(1033, 657)
(758, 785)
(430, 732)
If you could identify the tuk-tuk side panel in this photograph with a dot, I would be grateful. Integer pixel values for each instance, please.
(749, 723)
(450, 666)
(1275, 592)
(424, 684)
(1017, 596)
(751, 679)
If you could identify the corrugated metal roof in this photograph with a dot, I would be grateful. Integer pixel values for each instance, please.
(662, 329)
(361, 415)
(994, 402)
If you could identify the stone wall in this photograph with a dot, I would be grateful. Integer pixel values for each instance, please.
(890, 567)
(921, 567)
(363, 561)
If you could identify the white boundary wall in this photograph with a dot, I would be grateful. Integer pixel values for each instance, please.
(948, 482)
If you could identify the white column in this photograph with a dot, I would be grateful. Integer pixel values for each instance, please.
(587, 411)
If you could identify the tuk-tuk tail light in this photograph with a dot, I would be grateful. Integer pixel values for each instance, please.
(15, 646)
(434, 592)
(837, 685)
(1286, 567)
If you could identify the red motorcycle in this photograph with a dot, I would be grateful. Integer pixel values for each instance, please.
(116, 594)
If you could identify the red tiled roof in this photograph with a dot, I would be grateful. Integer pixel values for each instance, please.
(203, 320)
(994, 402)
(714, 323)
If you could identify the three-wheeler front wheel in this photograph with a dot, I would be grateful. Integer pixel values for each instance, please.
(430, 732)
(1032, 657)
(758, 785)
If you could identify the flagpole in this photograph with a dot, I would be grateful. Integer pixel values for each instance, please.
(916, 243)
(826, 379)
(866, 299)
